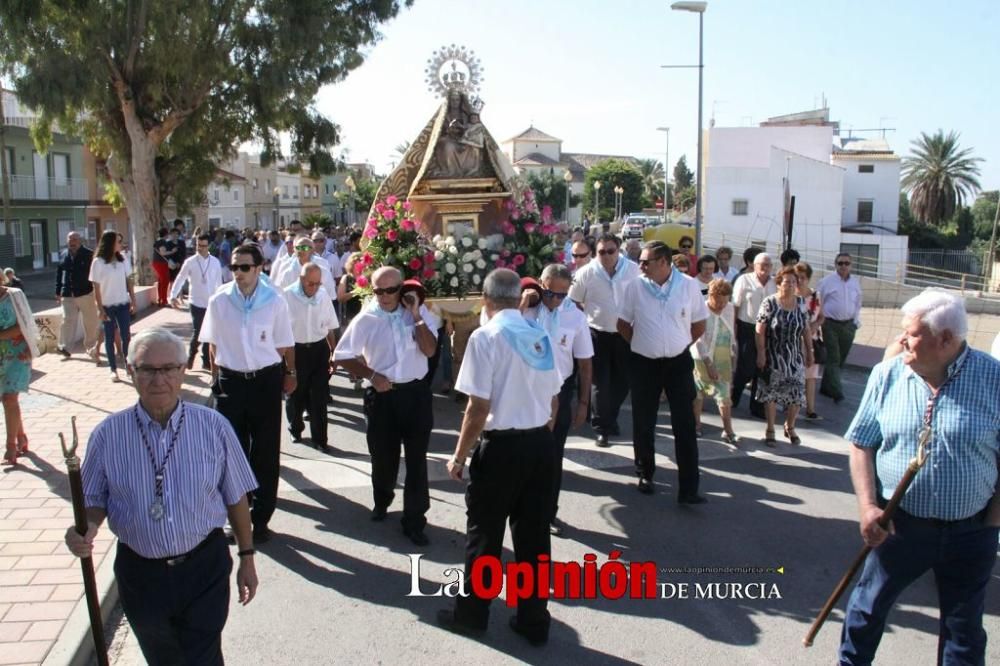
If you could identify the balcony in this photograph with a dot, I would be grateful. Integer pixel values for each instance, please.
(30, 188)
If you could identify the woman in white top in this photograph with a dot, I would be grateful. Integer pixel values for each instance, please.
(713, 357)
(110, 273)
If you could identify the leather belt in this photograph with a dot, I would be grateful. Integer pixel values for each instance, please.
(513, 432)
(249, 374)
(181, 559)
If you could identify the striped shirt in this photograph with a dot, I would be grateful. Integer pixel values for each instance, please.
(207, 472)
(960, 475)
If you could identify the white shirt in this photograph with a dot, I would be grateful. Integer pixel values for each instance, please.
(841, 298)
(112, 279)
(600, 296)
(289, 272)
(249, 345)
(311, 323)
(729, 275)
(333, 261)
(748, 294)
(662, 328)
(205, 274)
(270, 250)
(572, 340)
(370, 336)
(520, 396)
(282, 257)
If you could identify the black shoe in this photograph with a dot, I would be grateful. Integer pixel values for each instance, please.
(602, 441)
(838, 400)
(556, 527)
(64, 352)
(322, 446)
(813, 416)
(379, 513)
(416, 536)
(646, 486)
(692, 499)
(533, 639)
(296, 436)
(446, 620)
(262, 534)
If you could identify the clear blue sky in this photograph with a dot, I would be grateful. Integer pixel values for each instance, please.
(588, 71)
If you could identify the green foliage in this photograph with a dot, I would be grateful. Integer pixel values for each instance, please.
(984, 212)
(550, 190)
(316, 221)
(683, 176)
(364, 194)
(652, 180)
(392, 237)
(610, 173)
(685, 198)
(939, 175)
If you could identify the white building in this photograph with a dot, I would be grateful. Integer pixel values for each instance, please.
(227, 201)
(846, 192)
(290, 200)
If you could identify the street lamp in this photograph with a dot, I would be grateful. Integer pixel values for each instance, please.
(277, 193)
(698, 8)
(351, 187)
(597, 202)
(567, 178)
(666, 173)
(619, 192)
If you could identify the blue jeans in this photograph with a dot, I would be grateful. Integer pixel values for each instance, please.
(118, 317)
(960, 553)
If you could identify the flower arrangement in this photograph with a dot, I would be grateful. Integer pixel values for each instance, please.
(393, 237)
(464, 261)
(528, 235)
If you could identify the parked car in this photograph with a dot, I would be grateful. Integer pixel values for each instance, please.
(633, 227)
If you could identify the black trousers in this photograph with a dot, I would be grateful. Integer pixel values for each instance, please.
(312, 386)
(560, 431)
(746, 365)
(197, 317)
(252, 405)
(404, 416)
(177, 611)
(611, 379)
(510, 477)
(675, 376)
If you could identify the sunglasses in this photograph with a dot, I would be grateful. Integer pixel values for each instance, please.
(382, 291)
(548, 293)
(246, 268)
(647, 262)
(843, 263)
(303, 248)
(606, 253)
(581, 256)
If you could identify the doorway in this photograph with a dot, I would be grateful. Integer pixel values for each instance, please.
(37, 243)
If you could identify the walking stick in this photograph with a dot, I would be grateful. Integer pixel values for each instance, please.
(86, 563)
(911, 471)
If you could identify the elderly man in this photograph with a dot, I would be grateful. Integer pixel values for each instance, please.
(249, 335)
(840, 294)
(74, 293)
(388, 344)
(321, 249)
(948, 520)
(285, 253)
(599, 289)
(633, 248)
(509, 373)
(749, 291)
(314, 324)
(662, 315)
(270, 249)
(573, 349)
(205, 274)
(166, 474)
(289, 271)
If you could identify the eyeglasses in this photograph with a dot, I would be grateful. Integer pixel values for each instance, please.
(843, 263)
(606, 253)
(647, 262)
(581, 256)
(685, 247)
(382, 291)
(548, 293)
(246, 268)
(149, 372)
(303, 248)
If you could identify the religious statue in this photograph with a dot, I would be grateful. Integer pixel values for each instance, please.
(459, 150)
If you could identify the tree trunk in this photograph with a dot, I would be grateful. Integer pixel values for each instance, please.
(139, 184)
(4, 167)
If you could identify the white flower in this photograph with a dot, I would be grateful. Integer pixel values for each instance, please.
(480, 264)
(481, 243)
(449, 268)
(466, 241)
(453, 250)
(476, 254)
(450, 240)
(466, 268)
(467, 257)
(454, 282)
(439, 255)
(437, 238)
(476, 279)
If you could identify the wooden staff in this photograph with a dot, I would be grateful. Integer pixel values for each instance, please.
(911, 471)
(86, 563)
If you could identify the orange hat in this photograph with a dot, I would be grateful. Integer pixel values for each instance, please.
(414, 286)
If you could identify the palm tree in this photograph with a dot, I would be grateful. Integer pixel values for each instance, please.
(939, 175)
(402, 148)
(652, 178)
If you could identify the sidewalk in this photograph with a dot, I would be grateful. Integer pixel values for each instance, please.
(40, 582)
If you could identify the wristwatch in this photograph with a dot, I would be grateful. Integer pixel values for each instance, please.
(290, 373)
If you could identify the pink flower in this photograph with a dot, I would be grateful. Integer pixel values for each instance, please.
(529, 195)
(361, 281)
(415, 264)
(371, 232)
(549, 229)
(392, 235)
(546, 213)
(428, 273)
(372, 222)
(359, 268)
(530, 228)
(518, 259)
(391, 200)
(367, 259)
(380, 208)
(509, 205)
(505, 253)
(429, 258)
(407, 205)
(558, 256)
(500, 263)
(406, 224)
(389, 214)
(508, 229)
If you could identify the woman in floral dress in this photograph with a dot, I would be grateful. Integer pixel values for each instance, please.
(18, 344)
(783, 352)
(713, 357)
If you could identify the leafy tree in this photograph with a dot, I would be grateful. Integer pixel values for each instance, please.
(652, 179)
(984, 212)
(683, 176)
(610, 173)
(939, 175)
(685, 198)
(401, 148)
(164, 89)
(550, 190)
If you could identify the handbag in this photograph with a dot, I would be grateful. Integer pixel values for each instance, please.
(819, 351)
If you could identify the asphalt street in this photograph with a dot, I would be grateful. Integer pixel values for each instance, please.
(334, 586)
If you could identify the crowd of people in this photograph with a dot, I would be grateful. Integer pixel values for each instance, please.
(274, 318)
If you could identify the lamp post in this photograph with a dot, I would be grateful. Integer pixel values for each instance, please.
(597, 202)
(351, 187)
(568, 179)
(619, 196)
(277, 193)
(698, 8)
(666, 173)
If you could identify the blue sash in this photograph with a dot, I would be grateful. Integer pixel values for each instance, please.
(656, 290)
(618, 269)
(549, 319)
(262, 295)
(399, 332)
(529, 340)
(297, 291)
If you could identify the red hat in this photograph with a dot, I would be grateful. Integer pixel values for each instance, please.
(531, 284)
(414, 286)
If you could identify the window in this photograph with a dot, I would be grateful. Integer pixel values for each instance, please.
(236, 195)
(295, 191)
(284, 191)
(864, 258)
(255, 183)
(268, 185)
(215, 197)
(15, 230)
(60, 168)
(326, 188)
(866, 168)
(740, 206)
(865, 208)
(10, 160)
